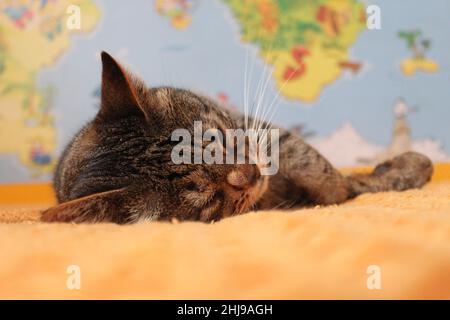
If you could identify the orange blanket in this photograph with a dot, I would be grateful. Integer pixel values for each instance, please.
(328, 252)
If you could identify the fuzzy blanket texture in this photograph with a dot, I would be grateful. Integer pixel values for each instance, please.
(323, 252)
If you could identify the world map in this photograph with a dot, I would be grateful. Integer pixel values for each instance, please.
(307, 42)
(33, 35)
(307, 45)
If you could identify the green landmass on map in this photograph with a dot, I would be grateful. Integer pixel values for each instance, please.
(307, 42)
(33, 35)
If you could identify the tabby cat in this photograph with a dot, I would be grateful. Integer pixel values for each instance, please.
(118, 168)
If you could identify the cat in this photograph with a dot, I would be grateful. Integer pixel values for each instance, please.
(118, 168)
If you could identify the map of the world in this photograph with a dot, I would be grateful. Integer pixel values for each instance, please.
(357, 94)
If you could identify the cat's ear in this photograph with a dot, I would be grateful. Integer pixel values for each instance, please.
(118, 91)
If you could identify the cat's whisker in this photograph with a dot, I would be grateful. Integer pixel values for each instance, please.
(275, 99)
(292, 203)
(279, 205)
(253, 100)
(264, 80)
(262, 96)
(260, 119)
(266, 112)
(277, 96)
(266, 127)
(250, 102)
(256, 98)
(268, 122)
(248, 108)
(247, 87)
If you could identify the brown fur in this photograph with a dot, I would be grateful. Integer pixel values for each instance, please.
(118, 167)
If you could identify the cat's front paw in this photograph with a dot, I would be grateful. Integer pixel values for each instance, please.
(406, 171)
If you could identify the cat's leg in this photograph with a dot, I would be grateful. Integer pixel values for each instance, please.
(117, 206)
(407, 171)
(308, 173)
(306, 177)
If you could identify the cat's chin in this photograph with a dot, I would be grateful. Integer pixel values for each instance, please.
(234, 203)
(257, 192)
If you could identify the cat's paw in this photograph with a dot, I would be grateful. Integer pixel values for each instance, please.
(406, 171)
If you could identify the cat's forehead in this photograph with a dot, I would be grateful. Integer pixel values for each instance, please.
(176, 97)
(173, 97)
(187, 104)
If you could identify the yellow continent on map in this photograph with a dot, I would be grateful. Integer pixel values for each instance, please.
(412, 65)
(307, 42)
(178, 11)
(33, 35)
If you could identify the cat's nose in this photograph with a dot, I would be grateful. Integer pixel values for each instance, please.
(245, 176)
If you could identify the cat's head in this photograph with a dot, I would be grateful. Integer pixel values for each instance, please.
(199, 191)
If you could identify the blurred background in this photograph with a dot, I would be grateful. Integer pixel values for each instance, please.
(358, 95)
